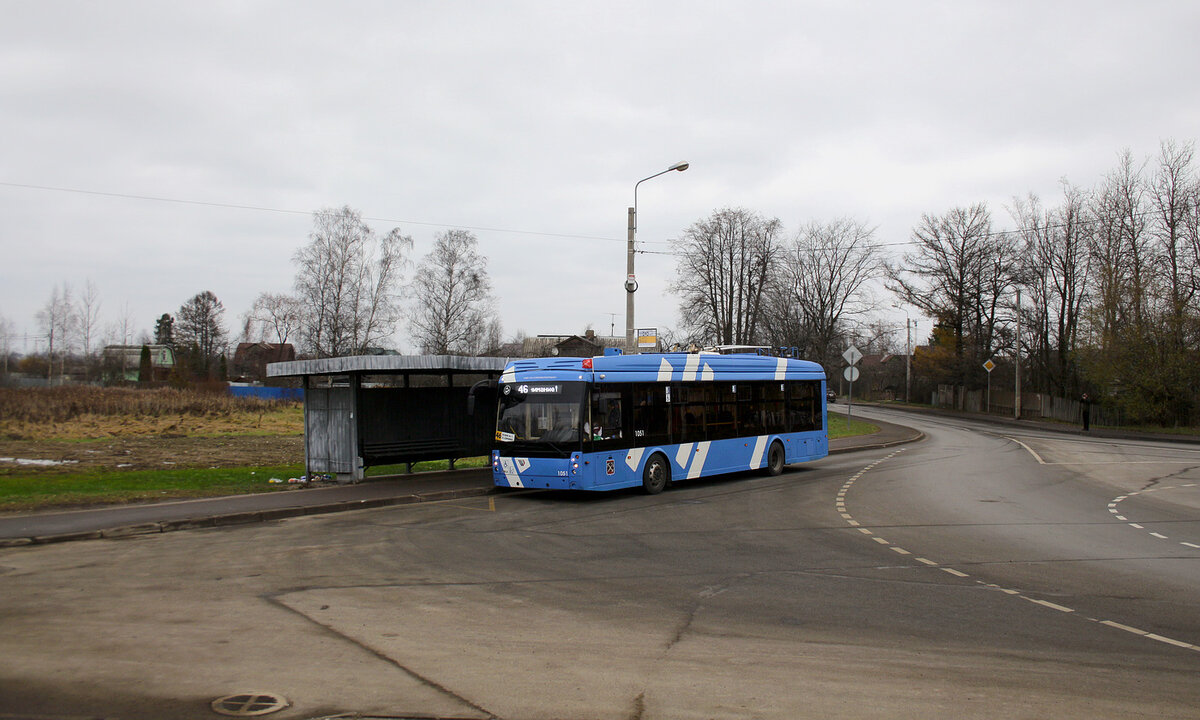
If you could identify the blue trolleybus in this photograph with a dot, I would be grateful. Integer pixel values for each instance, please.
(621, 421)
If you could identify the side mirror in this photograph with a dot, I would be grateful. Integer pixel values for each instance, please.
(475, 389)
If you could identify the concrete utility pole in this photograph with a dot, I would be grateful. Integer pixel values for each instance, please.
(907, 357)
(631, 285)
(908, 328)
(630, 279)
(1017, 360)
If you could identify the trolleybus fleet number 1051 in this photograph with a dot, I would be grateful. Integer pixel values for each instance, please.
(620, 421)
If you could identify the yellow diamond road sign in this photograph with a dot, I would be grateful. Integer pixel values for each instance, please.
(989, 366)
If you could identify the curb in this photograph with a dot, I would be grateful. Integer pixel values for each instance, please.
(257, 516)
(242, 518)
(917, 436)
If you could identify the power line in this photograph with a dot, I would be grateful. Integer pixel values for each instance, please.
(259, 208)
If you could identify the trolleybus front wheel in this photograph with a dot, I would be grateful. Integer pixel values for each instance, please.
(775, 459)
(657, 475)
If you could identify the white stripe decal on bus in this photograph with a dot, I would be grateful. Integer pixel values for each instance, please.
(689, 369)
(707, 375)
(634, 457)
(684, 454)
(780, 368)
(760, 446)
(698, 460)
(510, 472)
(664, 371)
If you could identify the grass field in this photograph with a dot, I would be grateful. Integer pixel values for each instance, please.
(97, 446)
(839, 427)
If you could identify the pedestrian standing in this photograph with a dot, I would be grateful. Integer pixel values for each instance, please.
(1086, 405)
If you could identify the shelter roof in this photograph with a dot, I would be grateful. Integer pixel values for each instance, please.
(386, 364)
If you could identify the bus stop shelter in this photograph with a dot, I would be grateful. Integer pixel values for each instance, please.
(371, 410)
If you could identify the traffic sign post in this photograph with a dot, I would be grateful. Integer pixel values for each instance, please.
(989, 366)
(852, 355)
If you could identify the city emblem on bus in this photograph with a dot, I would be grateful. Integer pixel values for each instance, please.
(610, 467)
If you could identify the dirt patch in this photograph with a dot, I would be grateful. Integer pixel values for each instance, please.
(153, 453)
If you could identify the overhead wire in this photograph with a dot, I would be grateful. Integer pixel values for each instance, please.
(260, 208)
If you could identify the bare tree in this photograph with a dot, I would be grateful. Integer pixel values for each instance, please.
(1145, 269)
(1174, 192)
(274, 317)
(452, 310)
(1120, 250)
(88, 313)
(124, 327)
(1055, 270)
(822, 284)
(200, 331)
(723, 273)
(960, 273)
(1174, 197)
(58, 321)
(345, 280)
(6, 333)
(491, 339)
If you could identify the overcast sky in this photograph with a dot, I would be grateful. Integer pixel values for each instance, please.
(530, 123)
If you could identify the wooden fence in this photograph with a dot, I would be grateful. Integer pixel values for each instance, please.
(1033, 405)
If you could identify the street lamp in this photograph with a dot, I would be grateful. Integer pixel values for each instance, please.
(631, 285)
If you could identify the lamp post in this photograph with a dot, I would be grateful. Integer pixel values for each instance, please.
(907, 352)
(630, 279)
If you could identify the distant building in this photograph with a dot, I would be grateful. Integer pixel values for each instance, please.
(124, 362)
(250, 359)
(882, 377)
(587, 345)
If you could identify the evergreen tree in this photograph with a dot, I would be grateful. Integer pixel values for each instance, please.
(145, 367)
(164, 331)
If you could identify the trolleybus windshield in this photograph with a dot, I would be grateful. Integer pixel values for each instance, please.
(541, 415)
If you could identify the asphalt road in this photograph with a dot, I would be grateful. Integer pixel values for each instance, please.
(983, 572)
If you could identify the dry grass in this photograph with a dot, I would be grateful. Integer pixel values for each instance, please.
(84, 412)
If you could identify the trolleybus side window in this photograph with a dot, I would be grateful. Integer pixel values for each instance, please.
(802, 407)
(649, 410)
(722, 411)
(607, 421)
(749, 409)
(687, 414)
(772, 407)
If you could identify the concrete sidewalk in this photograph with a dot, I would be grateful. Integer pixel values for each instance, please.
(148, 518)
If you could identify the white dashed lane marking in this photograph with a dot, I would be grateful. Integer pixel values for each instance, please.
(1112, 508)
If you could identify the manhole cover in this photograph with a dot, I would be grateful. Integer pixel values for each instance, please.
(249, 704)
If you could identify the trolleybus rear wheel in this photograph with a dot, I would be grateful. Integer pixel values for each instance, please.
(657, 475)
(775, 459)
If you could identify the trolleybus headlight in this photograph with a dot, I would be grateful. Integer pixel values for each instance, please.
(575, 464)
